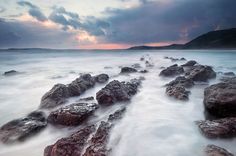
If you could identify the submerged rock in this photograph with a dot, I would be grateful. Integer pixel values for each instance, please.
(101, 78)
(212, 150)
(90, 98)
(189, 63)
(20, 129)
(117, 115)
(73, 114)
(10, 72)
(229, 74)
(117, 91)
(201, 73)
(172, 71)
(220, 99)
(136, 65)
(179, 92)
(143, 71)
(128, 70)
(220, 128)
(59, 93)
(72, 145)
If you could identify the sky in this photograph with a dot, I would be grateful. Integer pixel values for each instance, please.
(109, 24)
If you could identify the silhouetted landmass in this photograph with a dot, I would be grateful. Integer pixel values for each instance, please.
(221, 39)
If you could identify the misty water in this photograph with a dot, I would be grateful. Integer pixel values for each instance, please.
(153, 124)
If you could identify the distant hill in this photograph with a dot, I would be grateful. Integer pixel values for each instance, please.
(220, 39)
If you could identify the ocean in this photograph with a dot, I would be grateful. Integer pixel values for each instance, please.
(154, 123)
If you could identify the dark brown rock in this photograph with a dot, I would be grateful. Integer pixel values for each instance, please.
(212, 150)
(178, 92)
(21, 129)
(220, 128)
(220, 99)
(73, 114)
(201, 73)
(72, 145)
(117, 91)
(181, 81)
(172, 71)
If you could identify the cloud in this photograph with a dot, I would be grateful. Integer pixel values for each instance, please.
(2, 9)
(65, 18)
(172, 20)
(34, 11)
(18, 34)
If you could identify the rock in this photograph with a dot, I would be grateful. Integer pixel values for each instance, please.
(91, 98)
(182, 59)
(101, 78)
(220, 128)
(117, 115)
(10, 72)
(189, 63)
(117, 91)
(128, 70)
(72, 145)
(142, 59)
(201, 73)
(60, 92)
(220, 99)
(21, 129)
(178, 92)
(181, 81)
(56, 96)
(73, 114)
(99, 141)
(229, 74)
(136, 65)
(212, 150)
(172, 71)
(143, 71)
(148, 64)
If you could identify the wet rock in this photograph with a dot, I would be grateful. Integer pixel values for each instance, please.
(128, 70)
(101, 78)
(59, 93)
(136, 65)
(72, 145)
(220, 128)
(172, 71)
(148, 64)
(142, 59)
(178, 92)
(117, 115)
(117, 91)
(99, 141)
(107, 67)
(181, 81)
(73, 114)
(10, 73)
(21, 129)
(189, 63)
(182, 59)
(201, 73)
(212, 150)
(220, 99)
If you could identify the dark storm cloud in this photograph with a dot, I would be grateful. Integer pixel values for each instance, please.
(65, 18)
(172, 21)
(34, 11)
(29, 34)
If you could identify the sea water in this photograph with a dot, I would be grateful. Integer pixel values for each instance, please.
(154, 124)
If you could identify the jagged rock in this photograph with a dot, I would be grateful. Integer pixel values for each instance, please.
(21, 129)
(181, 81)
(117, 115)
(72, 145)
(172, 71)
(101, 78)
(200, 73)
(117, 91)
(73, 114)
(59, 93)
(220, 128)
(178, 92)
(220, 99)
(99, 141)
(189, 63)
(212, 150)
(128, 70)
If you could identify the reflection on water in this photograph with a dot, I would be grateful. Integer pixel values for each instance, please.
(153, 124)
